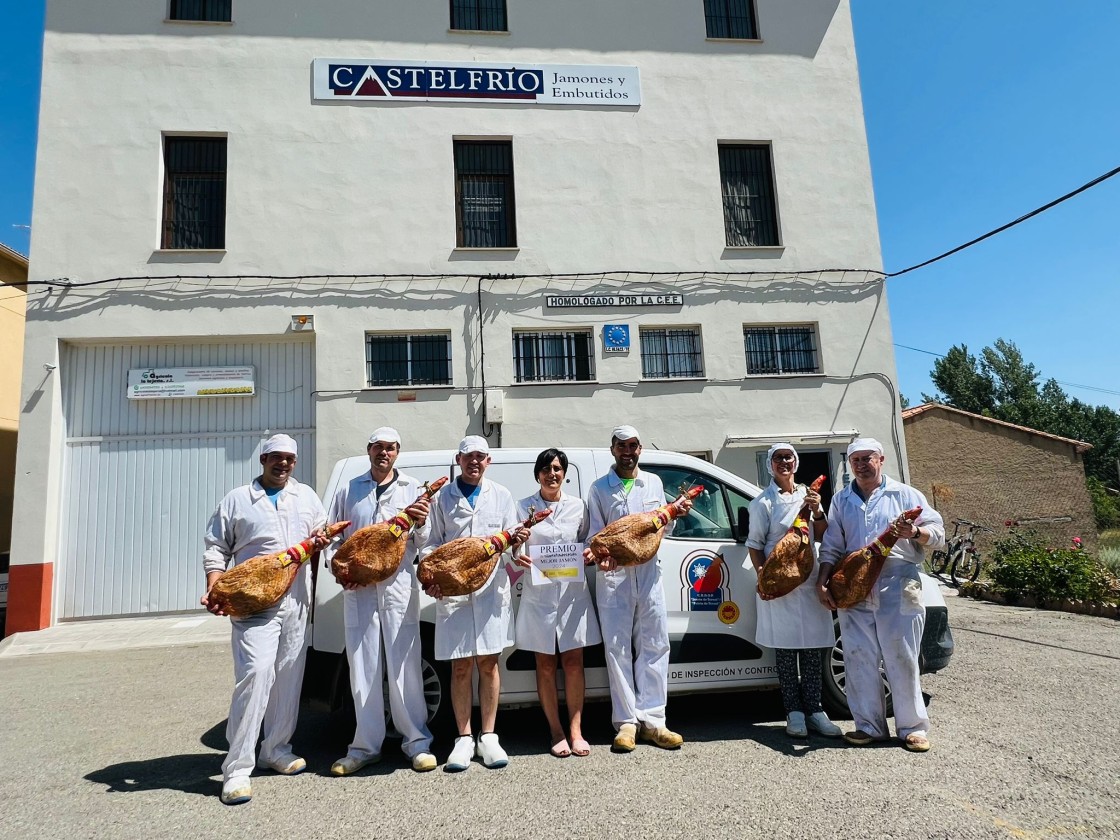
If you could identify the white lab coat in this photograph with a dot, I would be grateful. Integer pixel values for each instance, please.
(477, 624)
(631, 604)
(384, 616)
(796, 621)
(269, 647)
(555, 616)
(887, 626)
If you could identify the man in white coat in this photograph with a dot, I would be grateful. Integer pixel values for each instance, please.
(631, 601)
(267, 516)
(384, 617)
(887, 626)
(472, 630)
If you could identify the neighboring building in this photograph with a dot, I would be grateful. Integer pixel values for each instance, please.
(990, 471)
(13, 307)
(657, 213)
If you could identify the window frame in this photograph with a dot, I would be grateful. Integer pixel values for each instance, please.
(168, 217)
(509, 197)
(752, 16)
(779, 353)
(572, 360)
(697, 352)
(477, 10)
(409, 381)
(729, 234)
(207, 4)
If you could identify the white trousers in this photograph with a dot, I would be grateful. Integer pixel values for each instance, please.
(886, 627)
(383, 635)
(636, 640)
(268, 658)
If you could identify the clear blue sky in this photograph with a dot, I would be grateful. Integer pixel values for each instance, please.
(977, 112)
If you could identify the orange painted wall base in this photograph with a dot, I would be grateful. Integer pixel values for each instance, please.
(29, 597)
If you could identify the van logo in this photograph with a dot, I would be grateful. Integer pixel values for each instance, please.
(705, 582)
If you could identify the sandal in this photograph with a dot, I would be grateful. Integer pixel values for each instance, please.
(580, 747)
(916, 742)
(560, 749)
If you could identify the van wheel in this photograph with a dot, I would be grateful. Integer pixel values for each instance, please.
(834, 697)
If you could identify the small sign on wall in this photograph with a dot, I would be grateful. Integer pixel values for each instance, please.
(187, 383)
(616, 338)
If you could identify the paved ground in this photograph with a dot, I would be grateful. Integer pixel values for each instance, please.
(128, 743)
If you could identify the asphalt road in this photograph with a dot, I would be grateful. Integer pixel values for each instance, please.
(129, 744)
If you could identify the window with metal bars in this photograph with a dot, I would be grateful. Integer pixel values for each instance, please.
(553, 356)
(479, 15)
(208, 10)
(750, 215)
(773, 350)
(194, 193)
(730, 19)
(395, 359)
(484, 214)
(671, 353)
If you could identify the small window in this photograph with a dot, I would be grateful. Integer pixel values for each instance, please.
(553, 356)
(671, 353)
(194, 193)
(484, 215)
(207, 10)
(710, 518)
(750, 215)
(775, 350)
(393, 359)
(479, 15)
(731, 19)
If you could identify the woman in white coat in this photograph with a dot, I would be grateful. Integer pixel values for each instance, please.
(796, 625)
(557, 616)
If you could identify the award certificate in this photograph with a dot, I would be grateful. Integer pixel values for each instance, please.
(559, 563)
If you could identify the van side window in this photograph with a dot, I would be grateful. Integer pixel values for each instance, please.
(740, 513)
(710, 518)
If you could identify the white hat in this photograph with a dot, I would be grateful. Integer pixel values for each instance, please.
(864, 445)
(624, 433)
(474, 443)
(778, 447)
(386, 434)
(279, 443)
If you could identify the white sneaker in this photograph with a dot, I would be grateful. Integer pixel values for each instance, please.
(350, 764)
(491, 752)
(236, 790)
(461, 754)
(819, 723)
(423, 762)
(287, 764)
(795, 725)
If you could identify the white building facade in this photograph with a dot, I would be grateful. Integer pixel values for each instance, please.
(525, 220)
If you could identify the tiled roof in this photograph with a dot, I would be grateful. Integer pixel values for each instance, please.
(910, 413)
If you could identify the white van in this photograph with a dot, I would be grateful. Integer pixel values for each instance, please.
(711, 631)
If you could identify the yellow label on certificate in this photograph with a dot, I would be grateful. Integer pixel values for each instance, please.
(556, 563)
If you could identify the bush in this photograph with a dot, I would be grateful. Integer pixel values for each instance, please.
(1022, 564)
(1106, 507)
(1108, 546)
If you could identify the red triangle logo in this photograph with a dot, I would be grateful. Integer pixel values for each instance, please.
(370, 85)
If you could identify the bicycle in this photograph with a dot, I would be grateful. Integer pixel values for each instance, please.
(966, 563)
(939, 560)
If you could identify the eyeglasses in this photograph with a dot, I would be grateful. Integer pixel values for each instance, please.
(552, 468)
(784, 458)
(864, 459)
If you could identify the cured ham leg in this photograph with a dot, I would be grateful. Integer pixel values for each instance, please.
(635, 538)
(854, 577)
(462, 566)
(261, 582)
(791, 561)
(373, 553)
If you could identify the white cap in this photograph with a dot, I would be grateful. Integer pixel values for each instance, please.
(864, 445)
(779, 447)
(624, 433)
(279, 443)
(386, 434)
(474, 443)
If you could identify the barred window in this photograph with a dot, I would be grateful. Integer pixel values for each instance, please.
(553, 356)
(484, 216)
(750, 216)
(395, 359)
(479, 15)
(730, 19)
(772, 350)
(210, 10)
(671, 353)
(194, 193)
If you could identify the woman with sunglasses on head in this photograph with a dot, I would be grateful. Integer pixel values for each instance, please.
(557, 616)
(796, 625)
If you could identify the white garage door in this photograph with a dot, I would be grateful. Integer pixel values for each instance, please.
(143, 476)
